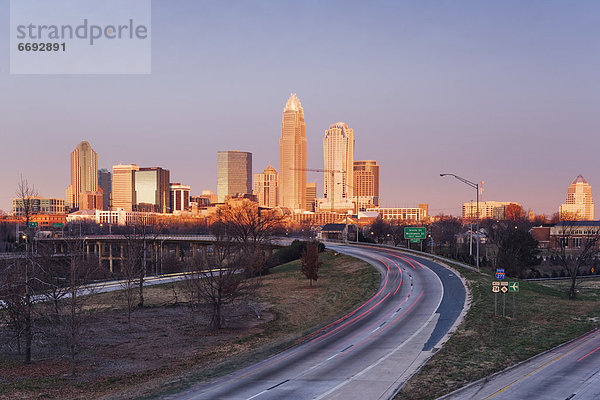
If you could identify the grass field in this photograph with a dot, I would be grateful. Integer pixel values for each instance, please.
(486, 343)
(169, 347)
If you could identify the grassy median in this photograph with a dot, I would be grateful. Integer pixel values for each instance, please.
(485, 343)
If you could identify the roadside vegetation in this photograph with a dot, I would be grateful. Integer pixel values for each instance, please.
(485, 343)
(168, 345)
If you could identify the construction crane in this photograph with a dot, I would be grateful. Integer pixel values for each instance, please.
(331, 171)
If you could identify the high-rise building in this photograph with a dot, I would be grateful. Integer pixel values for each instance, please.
(234, 174)
(311, 196)
(292, 156)
(123, 193)
(105, 183)
(366, 183)
(338, 149)
(579, 205)
(266, 187)
(152, 190)
(180, 197)
(84, 175)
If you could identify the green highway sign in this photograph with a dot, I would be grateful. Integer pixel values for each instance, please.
(58, 225)
(415, 233)
(33, 224)
(415, 240)
(513, 286)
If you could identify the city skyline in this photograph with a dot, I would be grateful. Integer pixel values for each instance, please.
(432, 98)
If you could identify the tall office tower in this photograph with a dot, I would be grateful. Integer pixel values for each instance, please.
(292, 156)
(579, 205)
(234, 174)
(366, 183)
(123, 194)
(152, 190)
(338, 148)
(105, 183)
(84, 175)
(180, 197)
(311, 196)
(265, 187)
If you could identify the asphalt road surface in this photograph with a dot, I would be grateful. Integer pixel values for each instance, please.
(366, 354)
(568, 372)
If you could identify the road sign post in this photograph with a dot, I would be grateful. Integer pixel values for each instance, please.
(415, 235)
(504, 289)
(495, 290)
(514, 288)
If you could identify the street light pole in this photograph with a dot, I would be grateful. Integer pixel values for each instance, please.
(476, 187)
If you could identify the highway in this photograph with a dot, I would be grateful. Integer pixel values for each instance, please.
(368, 353)
(568, 372)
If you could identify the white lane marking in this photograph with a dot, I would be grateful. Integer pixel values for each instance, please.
(382, 359)
(256, 395)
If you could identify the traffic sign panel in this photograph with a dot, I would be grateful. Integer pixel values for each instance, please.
(58, 224)
(504, 289)
(415, 240)
(513, 286)
(500, 273)
(33, 224)
(495, 289)
(415, 233)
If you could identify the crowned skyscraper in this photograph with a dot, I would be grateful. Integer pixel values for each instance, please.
(579, 205)
(292, 156)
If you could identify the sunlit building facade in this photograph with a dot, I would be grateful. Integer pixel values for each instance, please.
(266, 187)
(579, 205)
(84, 175)
(38, 205)
(152, 190)
(292, 156)
(407, 214)
(366, 184)
(338, 151)
(234, 174)
(180, 198)
(123, 193)
(311, 196)
(487, 209)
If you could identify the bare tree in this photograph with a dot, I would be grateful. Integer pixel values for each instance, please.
(216, 278)
(576, 249)
(310, 261)
(380, 230)
(12, 301)
(138, 233)
(25, 192)
(252, 228)
(397, 231)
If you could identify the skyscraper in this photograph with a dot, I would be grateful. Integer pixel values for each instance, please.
(234, 174)
(152, 190)
(123, 195)
(292, 156)
(579, 205)
(84, 175)
(366, 183)
(338, 149)
(266, 188)
(105, 183)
